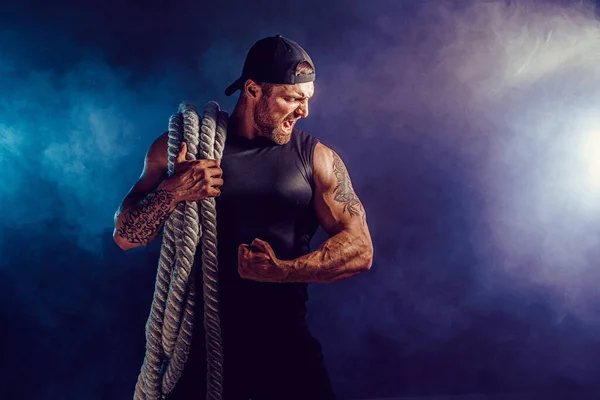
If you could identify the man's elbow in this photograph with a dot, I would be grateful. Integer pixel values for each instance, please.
(368, 259)
(122, 242)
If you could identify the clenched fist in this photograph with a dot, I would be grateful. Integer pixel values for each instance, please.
(258, 262)
(193, 180)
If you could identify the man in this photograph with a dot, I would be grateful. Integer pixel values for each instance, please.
(280, 185)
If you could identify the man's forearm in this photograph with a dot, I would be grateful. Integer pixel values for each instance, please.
(141, 223)
(339, 257)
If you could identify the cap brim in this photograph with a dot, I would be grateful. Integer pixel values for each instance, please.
(238, 84)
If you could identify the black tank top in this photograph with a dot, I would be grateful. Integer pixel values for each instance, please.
(268, 193)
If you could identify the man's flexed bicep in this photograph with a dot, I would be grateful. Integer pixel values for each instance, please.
(337, 206)
(349, 250)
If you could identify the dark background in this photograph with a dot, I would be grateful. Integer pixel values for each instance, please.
(471, 132)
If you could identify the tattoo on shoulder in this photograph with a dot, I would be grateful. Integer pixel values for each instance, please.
(141, 223)
(344, 193)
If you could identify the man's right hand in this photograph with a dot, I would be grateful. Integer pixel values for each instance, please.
(193, 180)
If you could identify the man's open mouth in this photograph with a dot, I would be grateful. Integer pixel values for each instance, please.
(287, 125)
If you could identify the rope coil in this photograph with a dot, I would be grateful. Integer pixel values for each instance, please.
(171, 320)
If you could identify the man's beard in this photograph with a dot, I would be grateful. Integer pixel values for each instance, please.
(267, 125)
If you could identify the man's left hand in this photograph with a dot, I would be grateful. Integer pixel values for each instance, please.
(258, 262)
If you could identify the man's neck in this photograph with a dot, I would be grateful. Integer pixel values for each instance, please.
(241, 122)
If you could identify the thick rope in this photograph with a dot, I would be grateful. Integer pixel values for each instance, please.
(171, 321)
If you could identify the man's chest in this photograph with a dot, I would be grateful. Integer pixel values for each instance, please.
(269, 178)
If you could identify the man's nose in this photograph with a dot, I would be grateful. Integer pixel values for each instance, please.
(302, 109)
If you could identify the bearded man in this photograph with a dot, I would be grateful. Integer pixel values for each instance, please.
(275, 186)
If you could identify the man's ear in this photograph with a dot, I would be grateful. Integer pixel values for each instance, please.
(252, 89)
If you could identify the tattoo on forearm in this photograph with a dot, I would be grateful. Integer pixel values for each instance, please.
(141, 223)
(344, 193)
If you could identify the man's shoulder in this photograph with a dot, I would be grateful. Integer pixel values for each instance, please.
(304, 139)
(158, 151)
(303, 134)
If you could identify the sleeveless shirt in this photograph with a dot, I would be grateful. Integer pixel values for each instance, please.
(268, 193)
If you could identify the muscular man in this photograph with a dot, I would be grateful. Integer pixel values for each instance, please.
(280, 185)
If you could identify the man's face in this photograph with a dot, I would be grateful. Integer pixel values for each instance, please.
(275, 114)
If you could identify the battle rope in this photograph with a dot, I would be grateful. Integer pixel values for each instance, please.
(170, 324)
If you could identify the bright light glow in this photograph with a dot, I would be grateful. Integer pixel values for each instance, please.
(591, 155)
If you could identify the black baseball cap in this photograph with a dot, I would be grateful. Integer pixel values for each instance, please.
(273, 60)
